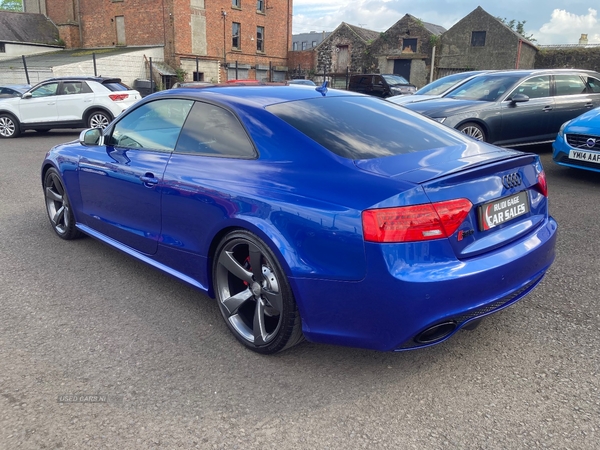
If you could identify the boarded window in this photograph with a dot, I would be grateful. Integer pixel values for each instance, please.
(120, 23)
(409, 46)
(478, 38)
(343, 58)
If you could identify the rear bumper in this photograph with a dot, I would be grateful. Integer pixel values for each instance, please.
(410, 288)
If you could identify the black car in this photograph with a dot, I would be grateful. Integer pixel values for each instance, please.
(516, 107)
(380, 85)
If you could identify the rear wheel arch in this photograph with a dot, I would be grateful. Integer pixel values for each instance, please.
(267, 237)
(94, 110)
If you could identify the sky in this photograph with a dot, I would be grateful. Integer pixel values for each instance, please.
(549, 21)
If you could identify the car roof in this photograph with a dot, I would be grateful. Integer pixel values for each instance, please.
(527, 72)
(86, 78)
(258, 95)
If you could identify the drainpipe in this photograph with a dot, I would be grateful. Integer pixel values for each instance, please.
(519, 53)
(432, 63)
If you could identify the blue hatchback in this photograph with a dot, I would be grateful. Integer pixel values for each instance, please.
(310, 213)
(578, 142)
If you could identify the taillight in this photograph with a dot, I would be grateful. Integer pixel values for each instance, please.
(117, 97)
(542, 186)
(415, 223)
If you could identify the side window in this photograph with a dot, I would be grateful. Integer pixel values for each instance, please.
(593, 85)
(569, 85)
(154, 126)
(213, 131)
(72, 87)
(45, 90)
(536, 87)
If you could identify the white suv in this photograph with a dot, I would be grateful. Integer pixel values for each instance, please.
(66, 102)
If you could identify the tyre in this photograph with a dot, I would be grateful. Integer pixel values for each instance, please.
(254, 296)
(9, 126)
(99, 119)
(474, 130)
(58, 207)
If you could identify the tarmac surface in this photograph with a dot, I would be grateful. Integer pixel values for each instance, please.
(98, 350)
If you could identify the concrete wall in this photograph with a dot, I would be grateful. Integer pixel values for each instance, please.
(16, 50)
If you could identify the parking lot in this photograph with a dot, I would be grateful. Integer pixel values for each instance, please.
(99, 350)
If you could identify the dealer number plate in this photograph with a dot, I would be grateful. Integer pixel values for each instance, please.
(503, 210)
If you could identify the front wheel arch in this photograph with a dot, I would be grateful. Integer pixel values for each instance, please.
(477, 124)
(16, 124)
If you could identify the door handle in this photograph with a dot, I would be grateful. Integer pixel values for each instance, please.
(149, 180)
(547, 108)
(589, 105)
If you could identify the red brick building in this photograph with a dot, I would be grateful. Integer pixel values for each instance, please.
(210, 40)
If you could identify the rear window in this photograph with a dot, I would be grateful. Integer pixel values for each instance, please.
(117, 86)
(363, 127)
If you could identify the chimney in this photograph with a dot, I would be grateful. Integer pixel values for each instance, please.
(583, 40)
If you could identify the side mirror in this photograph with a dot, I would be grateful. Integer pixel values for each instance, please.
(519, 98)
(26, 95)
(91, 136)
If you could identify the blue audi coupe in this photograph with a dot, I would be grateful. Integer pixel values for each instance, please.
(310, 213)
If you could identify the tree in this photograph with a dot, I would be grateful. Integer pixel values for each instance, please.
(517, 26)
(11, 5)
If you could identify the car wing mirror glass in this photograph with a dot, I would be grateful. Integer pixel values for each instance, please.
(91, 136)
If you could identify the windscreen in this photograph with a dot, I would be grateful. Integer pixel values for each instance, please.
(395, 79)
(441, 85)
(487, 88)
(363, 127)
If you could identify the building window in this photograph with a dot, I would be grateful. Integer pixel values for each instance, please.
(260, 39)
(304, 45)
(294, 46)
(236, 3)
(198, 76)
(235, 35)
(260, 6)
(409, 46)
(478, 38)
(314, 43)
(2, 47)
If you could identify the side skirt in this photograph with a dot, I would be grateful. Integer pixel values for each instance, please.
(140, 256)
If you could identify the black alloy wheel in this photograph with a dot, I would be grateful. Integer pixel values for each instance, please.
(58, 207)
(254, 296)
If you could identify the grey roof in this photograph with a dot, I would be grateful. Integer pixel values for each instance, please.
(312, 36)
(27, 28)
(434, 29)
(365, 34)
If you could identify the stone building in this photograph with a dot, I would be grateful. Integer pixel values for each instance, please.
(481, 41)
(406, 49)
(213, 40)
(346, 50)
